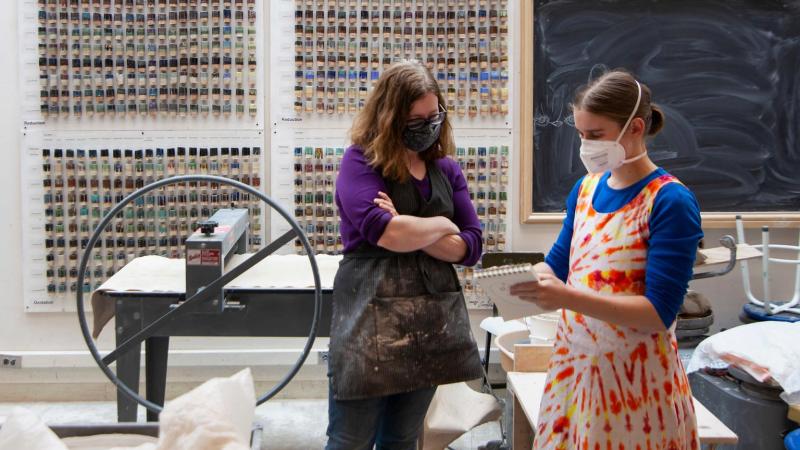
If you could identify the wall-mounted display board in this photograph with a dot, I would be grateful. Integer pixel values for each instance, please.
(127, 84)
(724, 73)
(70, 182)
(114, 64)
(329, 53)
(340, 52)
(116, 94)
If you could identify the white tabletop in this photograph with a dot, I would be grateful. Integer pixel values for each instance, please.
(529, 389)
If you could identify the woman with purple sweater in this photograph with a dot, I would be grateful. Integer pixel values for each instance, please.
(400, 325)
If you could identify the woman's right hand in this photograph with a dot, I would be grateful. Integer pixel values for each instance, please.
(385, 202)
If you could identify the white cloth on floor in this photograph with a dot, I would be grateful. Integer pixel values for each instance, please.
(454, 410)
(25, 430)
(141, 447)
(765, 350)
(217, 415)
(108, 441)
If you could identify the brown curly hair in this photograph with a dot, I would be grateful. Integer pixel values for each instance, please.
(378, 128)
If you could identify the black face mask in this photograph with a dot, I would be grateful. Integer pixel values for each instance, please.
(422, 138)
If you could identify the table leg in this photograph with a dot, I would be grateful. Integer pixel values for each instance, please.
(128, 373)
(156, 350)
(521, 429)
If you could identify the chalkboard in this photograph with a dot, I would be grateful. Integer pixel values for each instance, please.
(725, 72)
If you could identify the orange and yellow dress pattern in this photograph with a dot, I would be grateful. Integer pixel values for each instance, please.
(609, 386)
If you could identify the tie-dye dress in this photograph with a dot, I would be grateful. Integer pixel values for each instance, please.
(610, 386)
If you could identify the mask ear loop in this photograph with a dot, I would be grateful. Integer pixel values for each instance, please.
(635, 108)
(633, 113)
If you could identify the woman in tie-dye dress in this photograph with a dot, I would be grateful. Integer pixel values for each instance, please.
(619, 270)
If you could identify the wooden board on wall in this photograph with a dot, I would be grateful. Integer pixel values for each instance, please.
(724, 72)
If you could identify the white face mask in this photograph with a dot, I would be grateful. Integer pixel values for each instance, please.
(602, 156)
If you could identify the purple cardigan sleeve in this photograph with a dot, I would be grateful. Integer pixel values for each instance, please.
(358, 184)
(356, 187)
(464, 215)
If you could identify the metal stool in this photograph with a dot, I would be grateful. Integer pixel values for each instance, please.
(768, 309)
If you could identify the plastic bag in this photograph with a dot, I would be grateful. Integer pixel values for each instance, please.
(765, 350)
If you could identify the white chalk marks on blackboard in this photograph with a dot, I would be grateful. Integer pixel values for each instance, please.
(544, 121)
(723, 71)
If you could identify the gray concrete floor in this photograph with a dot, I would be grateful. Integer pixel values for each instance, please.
(288, 424)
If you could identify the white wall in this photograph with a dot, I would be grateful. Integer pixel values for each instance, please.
(54, 355)
(51, 344)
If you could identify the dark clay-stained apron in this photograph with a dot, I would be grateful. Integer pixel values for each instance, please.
(399, 321)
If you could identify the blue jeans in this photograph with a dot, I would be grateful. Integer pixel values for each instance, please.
(392, 422)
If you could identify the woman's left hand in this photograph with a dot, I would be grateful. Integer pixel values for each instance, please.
(548, 293)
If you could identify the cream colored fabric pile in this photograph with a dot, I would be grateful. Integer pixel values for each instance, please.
(25, 430)
(217, 415)
(454, 410)
(106, 441)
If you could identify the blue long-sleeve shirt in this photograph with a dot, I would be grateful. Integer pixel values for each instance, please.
(675, 231)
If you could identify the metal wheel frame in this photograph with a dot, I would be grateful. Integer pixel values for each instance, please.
(203, 294)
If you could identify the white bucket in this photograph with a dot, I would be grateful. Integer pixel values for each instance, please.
(542, 328)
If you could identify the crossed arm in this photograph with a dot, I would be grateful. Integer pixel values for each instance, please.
(361, 200)
(436, 236)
